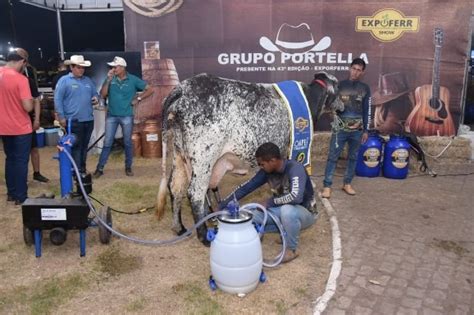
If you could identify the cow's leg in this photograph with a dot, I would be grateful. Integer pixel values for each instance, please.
(177, 186)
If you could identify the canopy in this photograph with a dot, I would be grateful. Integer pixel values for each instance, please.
(78, 5)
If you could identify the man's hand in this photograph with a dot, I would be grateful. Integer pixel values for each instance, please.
(62, 122)
(364, 138)
(95, 101)
(110, 74)
(36, 124)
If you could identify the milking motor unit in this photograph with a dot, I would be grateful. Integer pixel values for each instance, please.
(69, 212)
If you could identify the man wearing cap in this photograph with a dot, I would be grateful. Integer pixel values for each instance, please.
(74, 97)
(15, 124)
(120, 88)
(350, 126)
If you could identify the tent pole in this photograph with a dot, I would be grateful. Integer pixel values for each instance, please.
(60, 30)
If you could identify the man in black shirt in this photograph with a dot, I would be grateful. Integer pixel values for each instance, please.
(292, 195)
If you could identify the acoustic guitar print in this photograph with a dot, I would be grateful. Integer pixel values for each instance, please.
(431, 116)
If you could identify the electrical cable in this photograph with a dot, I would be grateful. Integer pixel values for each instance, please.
(142, 210)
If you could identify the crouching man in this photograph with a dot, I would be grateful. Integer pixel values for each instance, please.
(292, 195)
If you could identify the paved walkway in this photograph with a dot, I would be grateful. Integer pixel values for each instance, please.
(407, 245)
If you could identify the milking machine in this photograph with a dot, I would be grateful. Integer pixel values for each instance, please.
(69, 212)
(236, 257)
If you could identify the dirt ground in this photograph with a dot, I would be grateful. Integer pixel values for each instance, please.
(124, 277)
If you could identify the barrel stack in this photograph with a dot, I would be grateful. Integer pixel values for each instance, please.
(161, 76)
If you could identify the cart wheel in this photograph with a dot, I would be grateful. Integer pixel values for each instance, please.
(28, 236)
(104, 234)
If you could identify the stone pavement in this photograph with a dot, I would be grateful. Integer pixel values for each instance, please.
(407, 245)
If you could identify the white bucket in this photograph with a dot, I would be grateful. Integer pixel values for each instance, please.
(236, 257)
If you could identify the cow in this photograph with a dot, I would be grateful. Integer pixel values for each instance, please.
(212, 119)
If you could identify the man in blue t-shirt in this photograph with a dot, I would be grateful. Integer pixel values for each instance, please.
(74, 98)
(120, 88)
(292, 195)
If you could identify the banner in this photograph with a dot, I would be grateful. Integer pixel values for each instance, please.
(415, 50)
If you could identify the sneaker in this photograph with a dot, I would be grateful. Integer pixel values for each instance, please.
(289, 256)
(98, 173)
(40, 178)
(128, 171)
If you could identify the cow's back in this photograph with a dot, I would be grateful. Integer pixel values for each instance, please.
(235, 116)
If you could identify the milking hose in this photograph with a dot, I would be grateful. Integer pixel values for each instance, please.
(188, 233)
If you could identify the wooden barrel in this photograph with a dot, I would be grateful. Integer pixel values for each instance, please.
(137, 144)
(151, 139)
(162, 77)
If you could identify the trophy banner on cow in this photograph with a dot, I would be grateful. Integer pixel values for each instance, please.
(274, 41)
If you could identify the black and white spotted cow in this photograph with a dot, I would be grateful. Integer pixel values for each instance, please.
(212, 119)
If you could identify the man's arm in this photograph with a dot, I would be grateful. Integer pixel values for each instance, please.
(37, 111)
(246, 188)
(27, 105)
(59, 94)
(104, 90)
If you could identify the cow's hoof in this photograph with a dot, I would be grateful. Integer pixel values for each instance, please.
(205, 242)
(181, 232)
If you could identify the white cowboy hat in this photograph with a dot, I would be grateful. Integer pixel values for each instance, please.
(285, 40)
(78, 60)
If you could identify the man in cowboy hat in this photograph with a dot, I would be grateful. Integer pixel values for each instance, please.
(350, 126)
(393, 103)
(74, 97)
(15, 124)
(120, 88)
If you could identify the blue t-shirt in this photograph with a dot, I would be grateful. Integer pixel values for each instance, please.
(73, 98)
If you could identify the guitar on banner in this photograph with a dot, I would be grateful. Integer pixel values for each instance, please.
(431, 115)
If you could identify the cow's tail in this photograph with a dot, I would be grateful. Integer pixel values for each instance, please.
(168, 117)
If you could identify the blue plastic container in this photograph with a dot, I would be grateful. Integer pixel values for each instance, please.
(396, 157)
(370, 157)
(40, 139)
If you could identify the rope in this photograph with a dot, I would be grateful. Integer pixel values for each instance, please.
(441, 153)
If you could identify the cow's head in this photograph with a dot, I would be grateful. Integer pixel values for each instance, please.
(323, 94)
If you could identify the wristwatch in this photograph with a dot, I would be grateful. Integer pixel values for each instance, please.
(139, 99)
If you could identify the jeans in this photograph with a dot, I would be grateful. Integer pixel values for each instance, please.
(294, 218)
(17, 152)
(83, 131)
(111, 124)
(352, 138)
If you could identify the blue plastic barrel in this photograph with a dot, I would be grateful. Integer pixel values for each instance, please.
(40, 139)
(370, 157)
(396, 157)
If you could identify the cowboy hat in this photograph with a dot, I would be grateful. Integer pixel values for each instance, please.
(391, 86)
(78, 60)
(294, 39)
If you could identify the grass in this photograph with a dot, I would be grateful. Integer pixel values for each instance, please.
(197, 300)
(44, 296)
(137, 305)
(115, 263)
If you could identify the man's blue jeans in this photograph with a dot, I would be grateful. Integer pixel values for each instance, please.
(294, 218)
(83, 131)
(111, 125)
(352, 138)
(17, 151)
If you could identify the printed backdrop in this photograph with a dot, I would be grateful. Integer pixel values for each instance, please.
(271, 41)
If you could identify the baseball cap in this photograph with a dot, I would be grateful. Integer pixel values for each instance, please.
(118, 61)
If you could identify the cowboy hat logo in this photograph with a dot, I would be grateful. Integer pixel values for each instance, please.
(295, 39)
